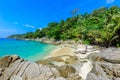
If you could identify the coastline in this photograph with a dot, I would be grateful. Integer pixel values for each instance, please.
(68, 47)
(74, 58)
(62, 47)
(64, 66)
(74, 55)
(79, 50)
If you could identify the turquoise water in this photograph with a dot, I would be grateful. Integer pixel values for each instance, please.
(29, 50)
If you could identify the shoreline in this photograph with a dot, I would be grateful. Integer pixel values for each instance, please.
(62, 47)
(68, 47)
(78, 50)
(70, 54)
(77, 59)
(60, 50)
(52, 41)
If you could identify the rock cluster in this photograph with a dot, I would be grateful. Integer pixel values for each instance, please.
(104, 65)
(14, 68)
(53, 41)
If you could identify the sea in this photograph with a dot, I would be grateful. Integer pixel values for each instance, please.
(29, 50)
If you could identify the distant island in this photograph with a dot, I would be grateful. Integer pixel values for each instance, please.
(101, 27)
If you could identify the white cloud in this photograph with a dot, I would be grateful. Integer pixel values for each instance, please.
(40, 28)
(27, 25)
(110, 1)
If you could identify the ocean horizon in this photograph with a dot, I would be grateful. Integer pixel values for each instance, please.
(29, 50)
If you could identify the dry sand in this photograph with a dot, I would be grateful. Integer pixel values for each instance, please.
(70, 49)
(61, 50)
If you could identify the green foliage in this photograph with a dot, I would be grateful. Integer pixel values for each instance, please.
(101, 27)
(86, 41)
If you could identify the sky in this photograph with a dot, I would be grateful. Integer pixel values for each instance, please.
(21, 16)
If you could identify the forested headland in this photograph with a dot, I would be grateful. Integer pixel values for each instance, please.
(101, 27)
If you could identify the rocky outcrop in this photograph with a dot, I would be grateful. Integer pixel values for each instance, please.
(103, 65)
(56, 42)
(106, 65)
(14, 68)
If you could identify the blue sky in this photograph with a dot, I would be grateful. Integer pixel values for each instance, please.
(20, 16)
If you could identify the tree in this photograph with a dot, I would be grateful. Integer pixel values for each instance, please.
(74, 11)
(101, 27)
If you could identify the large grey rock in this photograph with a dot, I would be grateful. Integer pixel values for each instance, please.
(111, 55)
(7, 60)
(106, 65)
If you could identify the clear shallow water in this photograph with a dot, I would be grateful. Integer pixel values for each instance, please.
(30, 50)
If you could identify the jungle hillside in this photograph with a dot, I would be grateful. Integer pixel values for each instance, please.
(100, 27)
